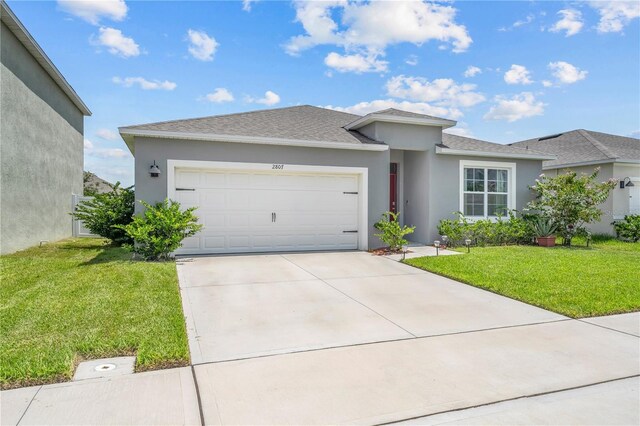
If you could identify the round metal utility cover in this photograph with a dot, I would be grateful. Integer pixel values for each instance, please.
(105, 367)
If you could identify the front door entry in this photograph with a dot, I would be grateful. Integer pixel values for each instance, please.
(393, 187)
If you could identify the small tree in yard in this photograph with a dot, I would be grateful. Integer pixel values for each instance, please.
(570, 201)
(161, 229)
(391, 231)
(103, 214)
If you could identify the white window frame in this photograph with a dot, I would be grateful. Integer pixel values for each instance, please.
(511, 177)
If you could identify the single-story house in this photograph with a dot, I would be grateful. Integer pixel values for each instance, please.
(41, 142)
(583, 151)
(310, 178)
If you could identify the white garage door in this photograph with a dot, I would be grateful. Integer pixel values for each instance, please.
(260, 211)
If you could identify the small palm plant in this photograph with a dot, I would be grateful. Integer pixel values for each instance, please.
(544, 229)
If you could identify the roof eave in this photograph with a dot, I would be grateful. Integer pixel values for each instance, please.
(370, 118)
(128, 134)
(21, 33)
(449, 151)
(591, 163)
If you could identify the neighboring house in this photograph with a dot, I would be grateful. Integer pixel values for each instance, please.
(309, 178)
(95, 185)
(583, 151)
(41, 142)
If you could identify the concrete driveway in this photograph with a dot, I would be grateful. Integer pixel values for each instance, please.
(348, 337)
(248, 306)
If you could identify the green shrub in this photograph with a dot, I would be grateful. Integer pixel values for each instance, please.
(106, 213)
(391, 231)
(161, 229)
(628, 228)
(514, 229)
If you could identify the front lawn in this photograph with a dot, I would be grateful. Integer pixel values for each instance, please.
(577, 282)
(81, 299)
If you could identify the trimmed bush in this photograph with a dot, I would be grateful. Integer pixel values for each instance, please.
(106, 213)
(392, 233)
(514, 229)
(161, 229)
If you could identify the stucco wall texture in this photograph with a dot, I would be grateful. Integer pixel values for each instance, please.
(41, 151)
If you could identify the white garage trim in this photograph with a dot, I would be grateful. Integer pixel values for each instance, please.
(361, 172)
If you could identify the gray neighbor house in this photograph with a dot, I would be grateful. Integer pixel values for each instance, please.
(310, 178)
(583, 151)
(41, 141)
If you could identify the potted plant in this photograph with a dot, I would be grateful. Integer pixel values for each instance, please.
(544, 230)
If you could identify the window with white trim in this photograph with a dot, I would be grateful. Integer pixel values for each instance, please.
(486, 189)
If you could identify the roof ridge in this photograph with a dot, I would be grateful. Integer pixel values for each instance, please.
(599, 145)
(228, 115)
(532, 151)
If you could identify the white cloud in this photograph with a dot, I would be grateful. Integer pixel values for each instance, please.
(270, 98)
(411, 60)
(246, 5)
(519, 23)
(472, 71)
(356, 63)
(517, 74)
(615, 15)
(441, 91)
(116, 43)
(571, 22)
(372, 26)
(635, 134)
(107, 134)
(220, 95)
(202, 46)
(92, 11)
(460, 129)
(517, 107)
(144, 83)
(565, 73)
(363, 108)
(547, 83)
(91, 150)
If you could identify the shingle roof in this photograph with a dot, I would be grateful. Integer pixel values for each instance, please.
(581, 146)
(400, 113)
(469, 144)
(304, 122)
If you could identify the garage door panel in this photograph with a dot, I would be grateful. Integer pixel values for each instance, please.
(236, 207)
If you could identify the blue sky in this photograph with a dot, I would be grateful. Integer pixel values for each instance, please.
(506, 71)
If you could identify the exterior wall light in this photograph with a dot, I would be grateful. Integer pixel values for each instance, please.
(626, 183)
(154, 170)
(436, 244)
(467, 243)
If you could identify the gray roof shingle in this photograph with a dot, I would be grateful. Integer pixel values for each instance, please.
(400, 113)
(581, 146)
(469, 144)
(304, 122)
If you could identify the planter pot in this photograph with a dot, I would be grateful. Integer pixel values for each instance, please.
(546, 241)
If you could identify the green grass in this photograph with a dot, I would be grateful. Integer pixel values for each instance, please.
(81, 299)
(578, 281)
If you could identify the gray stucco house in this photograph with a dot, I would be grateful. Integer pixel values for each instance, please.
(309, 178)
(583, 151)
(41, 141)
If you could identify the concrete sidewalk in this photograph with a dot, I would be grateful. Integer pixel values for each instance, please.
(371, 383)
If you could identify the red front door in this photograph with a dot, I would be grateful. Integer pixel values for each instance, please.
(393, 188)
